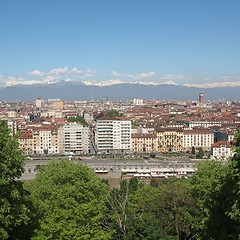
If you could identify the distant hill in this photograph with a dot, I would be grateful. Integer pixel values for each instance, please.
(79, 91)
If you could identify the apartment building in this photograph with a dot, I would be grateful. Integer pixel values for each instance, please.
(26, 142)
(45, 139)
(144, 143)
(39, 140)
(75, 138)
(57, 104)
(197, 138)
(113, 134)
(12, 125)
(221, 150)
(169, 139)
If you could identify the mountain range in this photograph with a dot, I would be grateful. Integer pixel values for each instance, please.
(70, 90)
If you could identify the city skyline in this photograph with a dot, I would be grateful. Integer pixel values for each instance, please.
(183, 43)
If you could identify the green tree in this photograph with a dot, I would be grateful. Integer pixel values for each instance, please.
(177, 208)
(143, 220)
(231, 192)
(117, 203)
(200, 153)
(114, 113)
(217, 188)
(193, 152)
(167, 211)
(110, 113)
(70, 200)
(207, 187)
(14, 211)
(78, 119)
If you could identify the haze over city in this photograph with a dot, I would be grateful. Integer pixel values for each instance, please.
(110, 42)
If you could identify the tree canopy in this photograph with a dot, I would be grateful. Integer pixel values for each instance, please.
(70, 200)
(110, 113)
(14, 204)
(216, 187)
(78, 119)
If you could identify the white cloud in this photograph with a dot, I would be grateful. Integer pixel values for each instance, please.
(82, 74)
(225, 77)
(59, 71)
(53, 75)
(103, 83)
(50, 77)
(119, 81)
(76, 74)
(2, 78)
(76, 70)
(171, 77)
(214, 85)
(36, 73)
(134, 76)
(11, 81)
(170, 83)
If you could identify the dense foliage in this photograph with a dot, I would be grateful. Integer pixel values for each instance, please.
(78, 119)
(110, 113)
(14, 203)
(70, 200)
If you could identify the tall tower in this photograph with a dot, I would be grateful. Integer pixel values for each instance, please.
(201, 97)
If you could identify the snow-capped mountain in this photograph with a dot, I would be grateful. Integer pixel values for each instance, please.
(76, 90)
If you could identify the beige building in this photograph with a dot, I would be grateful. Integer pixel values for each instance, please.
(54, 114)
(58, 104)
(12, 114)
(45, 139)
(169, 140)
(74, 138)
(144, 143)
(39, 140)
(26, 142)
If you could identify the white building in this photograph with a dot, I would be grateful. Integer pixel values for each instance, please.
(113, 134)
(137, 102)
(197, 138)
(12, 125)
(222, 150)
(39, 103)
(74, 138)
(204, 124)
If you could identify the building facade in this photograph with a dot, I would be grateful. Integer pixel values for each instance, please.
(26, 142)
(144, 143)
(222, 150)
(38, 140)
(197, 138)
(74, 138)
(169, 140)
(113, 134)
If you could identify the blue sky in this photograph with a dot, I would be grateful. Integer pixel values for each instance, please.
(185, 41)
